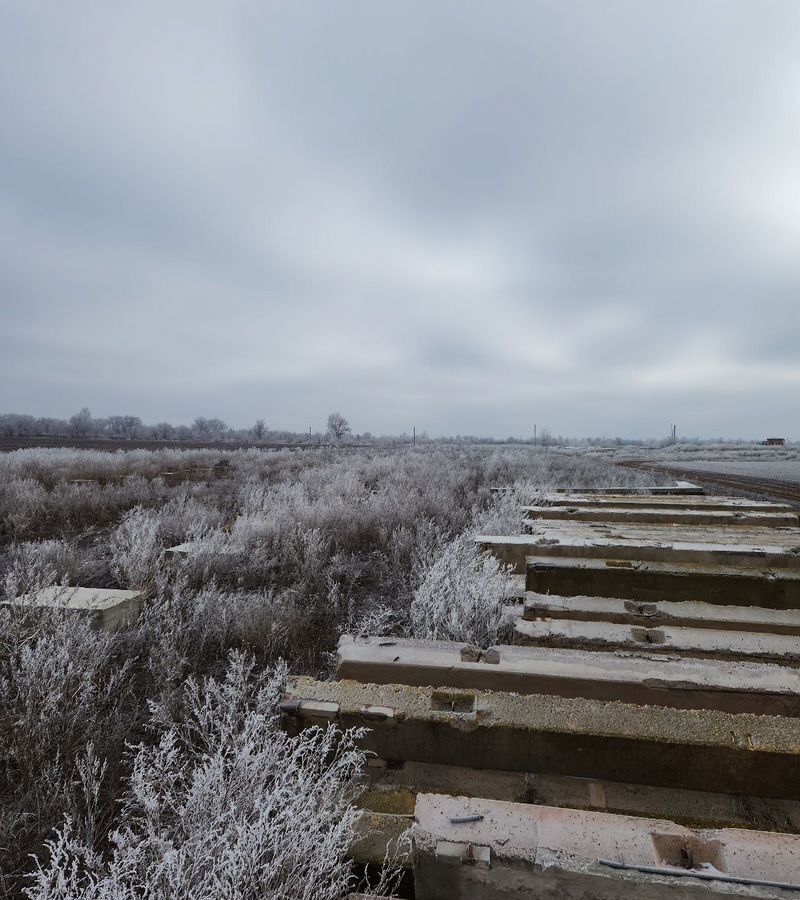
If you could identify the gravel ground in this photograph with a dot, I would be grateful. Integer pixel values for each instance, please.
(776, 469)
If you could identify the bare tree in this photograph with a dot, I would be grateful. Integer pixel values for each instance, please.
(209, 428)
(338, 426)
(259, 429)
(163, 430)
(81, 422)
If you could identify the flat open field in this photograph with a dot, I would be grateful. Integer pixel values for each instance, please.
(283, 553)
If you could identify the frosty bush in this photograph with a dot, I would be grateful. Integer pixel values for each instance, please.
(292, 549)
(32, 565)
(463, 597)
(60, 688)
(226, 805)
(136, 549)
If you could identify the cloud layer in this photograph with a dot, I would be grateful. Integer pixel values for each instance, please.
(467, 217)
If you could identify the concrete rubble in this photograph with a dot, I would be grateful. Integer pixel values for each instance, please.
(682, 613)
(110, 609)
(751, 547)
(655, 516)
(697, 643)
(696, 809)
(608, 740)
(665, 503)
(641, 736)
(468, 848)
(641, 581)
(641, 678)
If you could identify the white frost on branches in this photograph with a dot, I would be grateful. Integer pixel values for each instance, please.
(463, 597)
(226, 805)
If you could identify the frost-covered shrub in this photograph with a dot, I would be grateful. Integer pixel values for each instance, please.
(182, 631)
(463, 597)
(61, 688)
(226, 805)
(292, 550)
(136, 549)
(186, 517)
(35, 564)
(23, 504)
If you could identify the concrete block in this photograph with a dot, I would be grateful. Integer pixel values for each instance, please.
(745, 547)
(694, 749)
(106, 608)
(696, 809)
(654, 516)
(191, 549)
(680, 488)
(182, 551)
(698, 643)
(378, 832)
(773, 588)
(685, 614)
(646, 679)
(665, 503)
(512, 850)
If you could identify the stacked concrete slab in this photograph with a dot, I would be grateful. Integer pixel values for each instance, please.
(107, 608)
(639, 738)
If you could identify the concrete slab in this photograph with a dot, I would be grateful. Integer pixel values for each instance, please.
(698, 643)
(655, 516)
(191, 549)
(708, 545)
(643, 678)
(183, 551)
(107, 608)
(505, 851)
(680, 614)
(637, 501)
(696, 809)
(680, 488)
(653, 582)
(704, 750)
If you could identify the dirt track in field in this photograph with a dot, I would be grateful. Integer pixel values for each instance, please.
(749, 485)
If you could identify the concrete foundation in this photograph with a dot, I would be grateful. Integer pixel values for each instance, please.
(646, 679)
(695, 809)
(703, 750)
(650, 582)
(697, 643)
(110, 609)
(637, 501)
(757, 548)
(654, 516)
(680, 614)
(679, 489)
(506, 851)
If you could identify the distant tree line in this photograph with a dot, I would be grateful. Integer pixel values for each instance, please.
(84, 425)
(128, 427)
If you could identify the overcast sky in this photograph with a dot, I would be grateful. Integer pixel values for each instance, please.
(467, 217)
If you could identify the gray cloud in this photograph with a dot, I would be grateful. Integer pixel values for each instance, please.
(464, 216)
